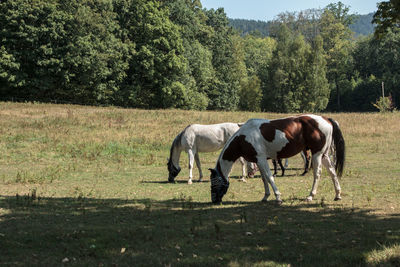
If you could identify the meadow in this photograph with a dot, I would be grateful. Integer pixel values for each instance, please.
(87, 186)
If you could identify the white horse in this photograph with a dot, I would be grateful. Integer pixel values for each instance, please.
(197, 138)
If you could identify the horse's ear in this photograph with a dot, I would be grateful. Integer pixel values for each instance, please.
(240, 124)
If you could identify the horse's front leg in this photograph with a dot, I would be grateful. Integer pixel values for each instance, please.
(197, 158)
(242, 161)
(316, 162)
(191, 161)
(268, 178)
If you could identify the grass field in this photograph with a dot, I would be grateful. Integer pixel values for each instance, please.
(86, 186)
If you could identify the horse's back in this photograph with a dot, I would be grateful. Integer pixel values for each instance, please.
(286, 137)
(208, 138)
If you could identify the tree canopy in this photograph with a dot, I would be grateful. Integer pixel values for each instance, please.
(387, 17)
(175, 54)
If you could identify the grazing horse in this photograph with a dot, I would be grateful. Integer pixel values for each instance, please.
(197, 138)
(259, 139)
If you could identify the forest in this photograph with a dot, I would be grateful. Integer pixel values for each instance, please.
(158, 54)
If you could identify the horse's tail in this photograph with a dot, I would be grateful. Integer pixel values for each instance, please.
(340, 147)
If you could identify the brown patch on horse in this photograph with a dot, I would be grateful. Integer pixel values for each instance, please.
(314, 138)
(301, 132)
(239, 147)
(291, 127)
(268, 131)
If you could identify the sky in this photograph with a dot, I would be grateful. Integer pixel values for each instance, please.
(267, 9)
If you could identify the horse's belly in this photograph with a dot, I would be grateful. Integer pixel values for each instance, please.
(209, 146)
(290, 150)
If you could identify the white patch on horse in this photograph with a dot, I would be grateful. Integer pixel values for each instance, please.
(326, 128)
(279, 142)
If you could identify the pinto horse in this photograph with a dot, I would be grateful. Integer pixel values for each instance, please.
(259, 139)
(197, 138)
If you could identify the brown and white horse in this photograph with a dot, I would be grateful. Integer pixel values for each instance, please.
(259, 139)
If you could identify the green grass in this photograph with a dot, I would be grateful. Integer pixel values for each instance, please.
(85, 186)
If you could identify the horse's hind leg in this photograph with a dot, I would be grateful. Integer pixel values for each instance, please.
(282, 168)
(268, 178)
(306, 158)
(316, 162)
(328, 164)
(196, 157)
(242, 161)
(286, 163)
(275, 167)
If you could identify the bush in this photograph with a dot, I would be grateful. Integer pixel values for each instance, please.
(384, 104)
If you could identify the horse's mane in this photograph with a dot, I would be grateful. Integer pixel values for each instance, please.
(177, 141)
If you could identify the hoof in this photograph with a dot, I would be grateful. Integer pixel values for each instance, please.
(309, 199)
(242, 180)
(264, 200)
(337, 198)
(279, 202)
(190, 182)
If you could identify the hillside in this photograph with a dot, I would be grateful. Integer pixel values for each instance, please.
(361, 26)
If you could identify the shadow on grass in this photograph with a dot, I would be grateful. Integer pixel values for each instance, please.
(175, 182)
(144, 232)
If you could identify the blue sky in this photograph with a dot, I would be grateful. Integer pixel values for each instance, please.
(268, 9)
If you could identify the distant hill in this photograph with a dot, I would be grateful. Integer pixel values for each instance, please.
(246, 26)
(361, 26)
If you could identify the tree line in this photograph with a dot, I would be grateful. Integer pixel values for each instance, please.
(362, 25)
(176, 54)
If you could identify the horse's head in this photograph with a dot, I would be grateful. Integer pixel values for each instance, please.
(173, 171)
(251, 169)
(219, 186)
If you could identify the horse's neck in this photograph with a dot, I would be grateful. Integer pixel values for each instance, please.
(224, 167)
